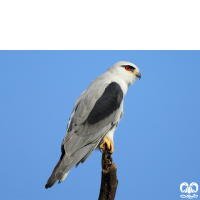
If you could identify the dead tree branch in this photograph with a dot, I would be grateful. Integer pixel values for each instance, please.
(109, 180)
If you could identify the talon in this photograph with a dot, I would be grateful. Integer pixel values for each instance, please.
(109, 145)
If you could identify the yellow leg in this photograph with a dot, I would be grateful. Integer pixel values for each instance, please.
(109, 145)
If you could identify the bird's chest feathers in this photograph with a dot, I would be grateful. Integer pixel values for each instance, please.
(110, 135)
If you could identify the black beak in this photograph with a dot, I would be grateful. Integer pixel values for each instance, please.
(138, 75)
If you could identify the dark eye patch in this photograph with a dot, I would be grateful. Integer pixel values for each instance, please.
(131, 67)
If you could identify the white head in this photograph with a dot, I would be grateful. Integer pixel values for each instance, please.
(126, 71)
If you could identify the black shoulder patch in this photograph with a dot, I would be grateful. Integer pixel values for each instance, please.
(106, 104)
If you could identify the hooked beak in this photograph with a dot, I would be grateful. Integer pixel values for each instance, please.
(138, 75)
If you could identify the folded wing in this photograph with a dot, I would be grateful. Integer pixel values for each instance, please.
(95, 112)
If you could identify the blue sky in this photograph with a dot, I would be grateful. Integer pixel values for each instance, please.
(157, 143)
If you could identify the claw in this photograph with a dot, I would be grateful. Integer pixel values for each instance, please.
(109, 145)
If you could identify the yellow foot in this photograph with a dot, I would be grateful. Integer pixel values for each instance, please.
(109, 145)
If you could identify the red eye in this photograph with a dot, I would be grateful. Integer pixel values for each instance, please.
(127, 68)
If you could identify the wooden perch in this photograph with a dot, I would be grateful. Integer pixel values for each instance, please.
(109, 180)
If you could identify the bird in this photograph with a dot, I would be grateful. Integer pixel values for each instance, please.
(95, 117)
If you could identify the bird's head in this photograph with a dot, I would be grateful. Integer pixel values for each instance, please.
(126, 71)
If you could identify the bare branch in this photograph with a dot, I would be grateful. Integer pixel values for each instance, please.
(109, 180)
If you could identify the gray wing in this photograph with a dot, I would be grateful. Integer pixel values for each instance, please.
(95, 112)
